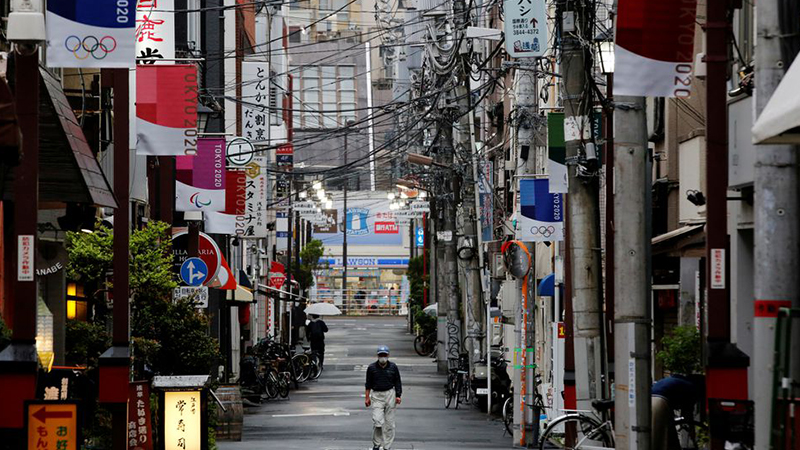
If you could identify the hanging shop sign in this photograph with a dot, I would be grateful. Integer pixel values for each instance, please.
(182, 420)
(556, 154)
(525, 28)
(208, 251)
(166, 110)
(240, 152)
(654, 48)
(140, 430)
(88, 33)
(255, 101)
(155, 30)
(540, 214)
(225, 222)
(254, 221)
(200, 179)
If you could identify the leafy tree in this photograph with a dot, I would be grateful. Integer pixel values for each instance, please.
(309, 263)
(681, 350)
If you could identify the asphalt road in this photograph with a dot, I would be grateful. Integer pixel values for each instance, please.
(329, 414)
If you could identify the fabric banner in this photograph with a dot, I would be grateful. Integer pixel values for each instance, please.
(200, 179)
(486, 192)
(155, 30)
(540, 214)
(225, 222)
(166, 110)
(255, 102)
(90, 33)
(556, 153)
(654, 48)
(140, 430)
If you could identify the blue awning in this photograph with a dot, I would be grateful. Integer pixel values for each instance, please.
(547, 286)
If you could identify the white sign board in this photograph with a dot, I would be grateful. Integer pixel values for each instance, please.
(421, 206)
(525, 28)
(409, 214)
(445, 236)
(25, 257)
(717, 268)
(255, 101)
(198, 295)
(155, 30)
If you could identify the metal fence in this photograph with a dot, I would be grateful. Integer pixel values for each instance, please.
(364, 302)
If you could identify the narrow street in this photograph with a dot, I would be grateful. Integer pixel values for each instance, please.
(329, 413)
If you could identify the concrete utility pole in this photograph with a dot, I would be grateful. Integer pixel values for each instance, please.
(583, 209)
(631, 312)
(777, 222)
(452, 326)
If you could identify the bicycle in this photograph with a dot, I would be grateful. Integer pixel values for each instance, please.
(425, 344)
(457, 382)
(589, 430)
(508, 406)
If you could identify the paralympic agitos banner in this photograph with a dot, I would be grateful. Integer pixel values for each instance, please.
(200, 179)
(166, 110)
(91, 33)
(654, 48)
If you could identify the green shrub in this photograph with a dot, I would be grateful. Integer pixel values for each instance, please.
(680, 350)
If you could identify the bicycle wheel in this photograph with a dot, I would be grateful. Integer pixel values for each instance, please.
(449, 391)
(271, 385)
(299, 364)
(430, 344)
(508, 415)
(588, 432)
(315, 370)
(690, 433)
(283, 387)
(419, 345)
(459, 384)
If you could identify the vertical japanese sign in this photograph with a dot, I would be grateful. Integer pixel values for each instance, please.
(654, 48)
(155, 30)
(25, 257)
(88, 33)
(556, 153)
(52, 425)
(540, 214)
(230, 221)
(525, 28)
(200, 179)
(485, 190)
(140, 435)
(717, 268)
(255, 102)
(182, 424)
(255, 215)
(284, 156)
(166, 110)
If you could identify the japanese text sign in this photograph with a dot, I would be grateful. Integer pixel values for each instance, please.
(139, 424)
(255, 98)
(525, 28)
(166, 110)
(182, 424)
(90, 33)
(155, 30)
(25, 257)
(52, 426)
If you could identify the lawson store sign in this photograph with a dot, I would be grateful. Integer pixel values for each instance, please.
(383, 263)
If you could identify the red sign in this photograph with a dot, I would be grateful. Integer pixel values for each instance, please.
(386, 228)
(208, 251)
(770, 308)
(166, 109)
(277, 275)
(140, 434)
(285, 149)
(562, 331)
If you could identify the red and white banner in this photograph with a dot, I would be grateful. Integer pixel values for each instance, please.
(200, 179)
(235, 198)
(654, 48)
(166, 110)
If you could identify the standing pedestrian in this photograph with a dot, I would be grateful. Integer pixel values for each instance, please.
(383, 392)
(298, 322)
(316, 330)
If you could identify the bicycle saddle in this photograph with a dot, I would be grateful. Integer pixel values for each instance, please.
(602, 405)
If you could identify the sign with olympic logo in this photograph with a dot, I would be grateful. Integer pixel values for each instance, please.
(544, 231)
(97, 48)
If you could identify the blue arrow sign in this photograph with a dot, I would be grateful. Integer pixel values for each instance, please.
(194, 271)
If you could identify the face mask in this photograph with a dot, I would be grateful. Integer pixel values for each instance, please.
(383, 359)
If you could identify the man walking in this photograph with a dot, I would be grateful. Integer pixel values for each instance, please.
(315, 330)
(383, 393)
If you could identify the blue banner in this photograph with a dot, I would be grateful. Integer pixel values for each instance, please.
(540, 214)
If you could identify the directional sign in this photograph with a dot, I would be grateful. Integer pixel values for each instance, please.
(52, 425)
(420, 237)
(194, 271)
(197, 294)
(208, 251)
(525, 28)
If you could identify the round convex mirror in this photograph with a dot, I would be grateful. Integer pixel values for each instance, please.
(517, 259)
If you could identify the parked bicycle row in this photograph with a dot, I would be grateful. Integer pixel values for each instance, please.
(270, 369)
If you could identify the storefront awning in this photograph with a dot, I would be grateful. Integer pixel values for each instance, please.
(686, 241)
(547, 287)
(779, 122)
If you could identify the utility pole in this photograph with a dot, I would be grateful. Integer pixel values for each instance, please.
(777, 222)
(452, 340)
(344, 213)
(631, 318)
(583, 207)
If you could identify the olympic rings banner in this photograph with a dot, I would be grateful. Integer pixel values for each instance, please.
(166, 110)
(540, 214)
(654, 48)
(91, 33)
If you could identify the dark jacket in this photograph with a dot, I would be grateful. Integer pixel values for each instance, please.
(384, 378)
(315, 331)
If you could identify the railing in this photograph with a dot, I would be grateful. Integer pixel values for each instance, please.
(364, 302)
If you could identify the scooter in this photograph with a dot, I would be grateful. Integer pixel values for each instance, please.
(501, 384)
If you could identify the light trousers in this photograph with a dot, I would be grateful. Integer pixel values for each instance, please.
(384, 405)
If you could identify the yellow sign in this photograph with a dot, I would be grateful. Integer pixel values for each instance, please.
(182, 430)
(52, 426)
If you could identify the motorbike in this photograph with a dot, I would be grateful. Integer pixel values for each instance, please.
(501, 384)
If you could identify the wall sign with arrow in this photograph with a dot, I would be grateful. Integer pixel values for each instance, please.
(52, 425)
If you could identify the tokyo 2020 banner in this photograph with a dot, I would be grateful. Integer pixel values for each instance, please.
(166, 110)
(654, 48)
(540, 214)
(91, 33)
(200, 179)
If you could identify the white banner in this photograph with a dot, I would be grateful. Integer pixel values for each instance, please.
(155, 30)
(255, 102)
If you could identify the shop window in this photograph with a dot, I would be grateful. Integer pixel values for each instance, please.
(77, 304)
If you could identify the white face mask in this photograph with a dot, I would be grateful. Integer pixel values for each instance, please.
(383, 359)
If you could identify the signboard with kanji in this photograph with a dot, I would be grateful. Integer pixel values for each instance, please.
(182, 424)
(255, 102)
(52, 425)
(140, 435)
(525, 28)
(155, 30)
